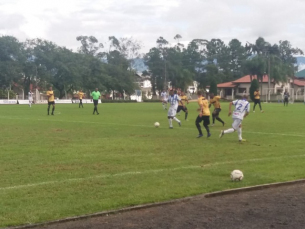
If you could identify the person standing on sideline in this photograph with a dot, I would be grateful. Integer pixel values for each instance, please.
(164, 99)
(51, 100)
(215, 101)
(173, 100)
(242, 109)
(286, 96)
(257, 100)
(80, 97)
(30, 97)
(95, 95)
(204, 115)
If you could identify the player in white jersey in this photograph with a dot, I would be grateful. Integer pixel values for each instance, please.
(173, 100)
(242, 109)
(30, 97)
(164, 99)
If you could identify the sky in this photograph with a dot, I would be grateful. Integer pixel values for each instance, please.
(61, 21)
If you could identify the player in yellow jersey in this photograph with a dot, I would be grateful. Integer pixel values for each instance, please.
(204, 115)
(182, 102)
(51, 101)
(80, 97)
(257, 100)
(215, 101)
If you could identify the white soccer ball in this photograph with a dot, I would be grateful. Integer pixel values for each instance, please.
(237, 175)
(157, 124)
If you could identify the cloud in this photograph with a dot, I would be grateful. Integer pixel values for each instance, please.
(62, 21)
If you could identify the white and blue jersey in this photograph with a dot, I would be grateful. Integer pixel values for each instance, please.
(241, 107)
(173, 100)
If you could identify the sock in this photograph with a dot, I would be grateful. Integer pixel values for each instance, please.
(186, 115)
(229, 131)
(53, 110)
(198, 127)
(170, 121)
(213, 119)
(163, 105)
(177, 120)
(48, 109)
(30, 104)
(207, 128)
(219, 119)
(239, 133)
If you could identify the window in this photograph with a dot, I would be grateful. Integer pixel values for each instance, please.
(242, 90)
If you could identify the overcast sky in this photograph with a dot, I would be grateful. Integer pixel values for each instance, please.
(61, 21)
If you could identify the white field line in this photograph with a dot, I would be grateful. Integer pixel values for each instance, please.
(147, 172)
(122, 124)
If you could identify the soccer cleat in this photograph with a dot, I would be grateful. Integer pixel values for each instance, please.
(242, 140)
(179, 124)
(98, 113)
(221, 134)
(223, 124)
(262, 111)
(209, 135)
(200, 135)
(52, 114)
(171, 127)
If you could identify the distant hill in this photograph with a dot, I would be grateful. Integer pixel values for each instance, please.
(140, 66)
(301, 62)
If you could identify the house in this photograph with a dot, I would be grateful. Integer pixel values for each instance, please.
(237, 88)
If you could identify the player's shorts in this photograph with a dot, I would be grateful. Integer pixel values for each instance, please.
(51, 103)
(256, 101)
(216, 111)
(172, 111)
(181, 108)
(286, 100)
(95, 102)
(80, 100)
(205, 119)
(236, 123)
(30, 100)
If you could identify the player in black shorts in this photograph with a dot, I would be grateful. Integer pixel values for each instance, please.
(181, 105)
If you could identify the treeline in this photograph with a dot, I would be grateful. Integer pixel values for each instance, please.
(42, 63)
(212, 61)
(110, 66)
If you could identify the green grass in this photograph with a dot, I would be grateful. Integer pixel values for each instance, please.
(77, 163)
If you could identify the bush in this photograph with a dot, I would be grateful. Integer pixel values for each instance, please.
(253, 87)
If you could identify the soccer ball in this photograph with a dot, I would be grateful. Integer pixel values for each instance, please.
(237, 175)
(157, 124)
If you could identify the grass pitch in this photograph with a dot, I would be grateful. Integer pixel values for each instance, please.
(77, 163)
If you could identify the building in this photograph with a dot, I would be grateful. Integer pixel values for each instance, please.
(237, 88)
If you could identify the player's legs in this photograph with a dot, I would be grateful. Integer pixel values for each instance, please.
(259, 103)
(186, 112)
(49, 104)
(53, 108)
(206, 123)
(235, 126)
(255, 102)
(239, 133)
(197, 123)
(30, 103)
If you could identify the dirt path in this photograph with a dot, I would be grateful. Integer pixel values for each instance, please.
(278, 207)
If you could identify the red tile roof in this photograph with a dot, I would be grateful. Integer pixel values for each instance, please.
(247, 79)
(225, 85)
(300, 83)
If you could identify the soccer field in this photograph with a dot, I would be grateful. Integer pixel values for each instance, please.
(77, 163)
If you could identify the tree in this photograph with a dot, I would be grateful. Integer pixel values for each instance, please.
(213, 87)
(253, 87)
(90, 45)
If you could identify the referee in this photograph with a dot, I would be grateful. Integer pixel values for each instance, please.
(95, 95)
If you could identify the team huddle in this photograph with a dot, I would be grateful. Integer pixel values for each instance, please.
(178, 101)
